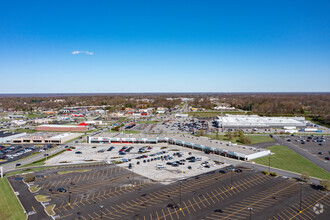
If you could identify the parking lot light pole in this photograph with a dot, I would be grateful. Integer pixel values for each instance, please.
(250, 209)
(231, 179)
(300, 197)
(180, 202)
(69, 191)
(269, 162)
(133, 176)
(101, 207)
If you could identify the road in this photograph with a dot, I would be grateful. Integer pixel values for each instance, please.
(307, 155)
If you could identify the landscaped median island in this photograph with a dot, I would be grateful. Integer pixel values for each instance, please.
(42, 198)
(10, 208)
(72, 171)
(34, 188)
(50, 209)
(286, 159)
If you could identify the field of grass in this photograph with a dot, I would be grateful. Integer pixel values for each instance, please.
(286, 159)
(148, 122)
(213, 113)
(10, 207)
(22, 130)
(35, 115)
(255, 139)
(72, 171)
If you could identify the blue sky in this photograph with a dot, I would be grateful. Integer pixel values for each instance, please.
(164, 46)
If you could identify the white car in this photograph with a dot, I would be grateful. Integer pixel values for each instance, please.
(160, 166)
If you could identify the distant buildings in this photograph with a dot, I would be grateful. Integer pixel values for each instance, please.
(255, 121)
(62, 128)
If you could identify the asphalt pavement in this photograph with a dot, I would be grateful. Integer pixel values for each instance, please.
(34, 209)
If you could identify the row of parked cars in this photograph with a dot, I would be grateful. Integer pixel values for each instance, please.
(17, 151)
(319, 140)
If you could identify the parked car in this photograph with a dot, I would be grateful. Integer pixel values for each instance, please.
(61, 190)
(78, 152)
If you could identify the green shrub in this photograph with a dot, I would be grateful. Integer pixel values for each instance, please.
(29, 177)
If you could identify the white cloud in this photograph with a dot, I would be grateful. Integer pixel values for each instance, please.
(85, 52)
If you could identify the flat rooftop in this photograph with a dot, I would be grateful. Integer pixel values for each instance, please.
(240, 150)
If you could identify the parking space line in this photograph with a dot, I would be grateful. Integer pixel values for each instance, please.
(197, 203)
(170, 213)
(186, 207)
(163, 214)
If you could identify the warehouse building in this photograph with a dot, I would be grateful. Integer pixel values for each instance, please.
(255, 121)
(197, 143)
(62, 128)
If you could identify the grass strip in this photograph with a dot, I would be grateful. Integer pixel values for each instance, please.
(10, 208)
(286, 159)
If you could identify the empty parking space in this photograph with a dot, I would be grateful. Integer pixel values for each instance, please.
(115, 192)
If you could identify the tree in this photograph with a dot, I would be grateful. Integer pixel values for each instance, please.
(29, 177)
(200, 133)
(229, 135)
(325, 184)
(243, 138)
(305, 177)
(217, 135)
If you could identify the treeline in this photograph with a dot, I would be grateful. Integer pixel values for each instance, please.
(311, 105)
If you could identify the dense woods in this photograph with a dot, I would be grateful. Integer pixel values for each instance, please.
(311, 105)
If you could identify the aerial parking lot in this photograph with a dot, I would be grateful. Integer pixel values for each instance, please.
(102, 191)
(164, 164)
(319, 146)
(14, 152)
